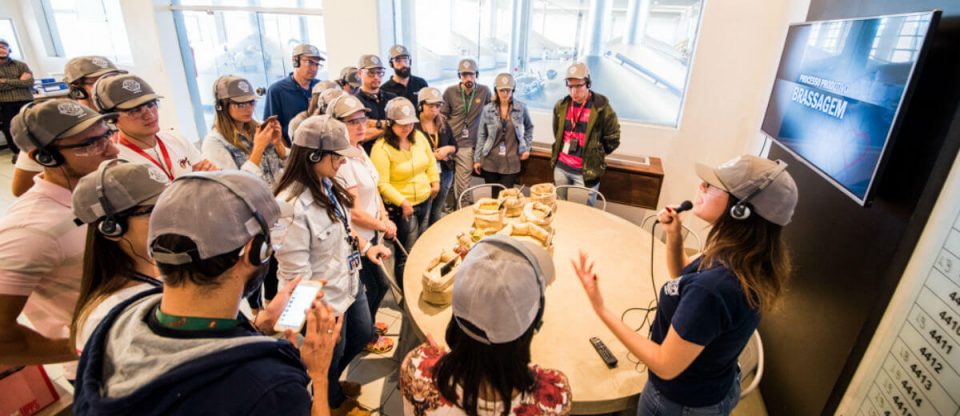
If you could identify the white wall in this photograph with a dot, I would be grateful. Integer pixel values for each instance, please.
(733, 68)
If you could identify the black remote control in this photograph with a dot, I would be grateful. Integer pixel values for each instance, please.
(604, 352)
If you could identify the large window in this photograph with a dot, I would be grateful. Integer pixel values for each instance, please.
(253, 42)
(86, 27)
(638, 51)
(8, 34)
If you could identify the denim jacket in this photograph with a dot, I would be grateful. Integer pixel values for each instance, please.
(490, 123)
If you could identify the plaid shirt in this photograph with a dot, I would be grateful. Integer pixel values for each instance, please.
(12, 88)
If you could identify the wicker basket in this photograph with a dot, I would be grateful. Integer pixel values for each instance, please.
(512, 201)
(544, 193)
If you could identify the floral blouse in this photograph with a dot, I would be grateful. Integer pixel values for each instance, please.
(421, 396)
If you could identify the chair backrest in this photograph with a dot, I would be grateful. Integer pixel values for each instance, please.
(470, 190)
(648, 225)
(751, 365)
(563, 194)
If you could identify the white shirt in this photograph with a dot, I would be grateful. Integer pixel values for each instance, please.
(183, 154)
(315, 247)
(100, 311)
(362, 174)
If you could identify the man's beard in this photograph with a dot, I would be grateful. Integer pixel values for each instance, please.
(469, 84)
(402, 72)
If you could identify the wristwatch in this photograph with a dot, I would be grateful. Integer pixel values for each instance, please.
(379, 124)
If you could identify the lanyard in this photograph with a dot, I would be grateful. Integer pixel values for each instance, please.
(337, 208)
(192, 323)
(577, 115)
(140, 277)
(168, 170)
(467, 104)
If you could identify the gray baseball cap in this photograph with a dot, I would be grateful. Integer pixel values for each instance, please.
(578, 70)
(215, 230)
(4, 42)
(498, 290)
(370, 62)
(124, 185)
(774, 193)
(401, 111)
(429, 95)
(325, 133)
(467, 65)
(88, 67)
(326, 98)
(52, 119)
(504, 81)
(306, 49)
(345, 105)
(122, 92)
(349, 75)
(235, 88)
(398, 50)
(325, 85)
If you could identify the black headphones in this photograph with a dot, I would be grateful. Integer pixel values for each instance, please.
(47, 156)
(220, 101)
(260, 250)
(97, 102)
(740, 210)
(111, 225)
(316, 156)
(516, 246)
(296, 61)
(77, 92)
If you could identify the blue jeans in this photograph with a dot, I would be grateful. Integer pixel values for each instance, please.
(355, 334)
(652, 403)
(446, 182)
(562, 177)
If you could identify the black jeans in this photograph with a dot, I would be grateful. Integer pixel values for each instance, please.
(7, 111)
(408, 230)
(374, 284)
(507, 180)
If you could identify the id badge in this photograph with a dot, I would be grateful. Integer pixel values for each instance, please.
(566, 147)
(465, 133)
(503, 149)
(354, 261)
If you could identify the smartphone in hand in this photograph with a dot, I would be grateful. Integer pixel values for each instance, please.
(294, 314)
(269, 119)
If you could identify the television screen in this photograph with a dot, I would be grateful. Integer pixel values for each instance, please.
(838, 92)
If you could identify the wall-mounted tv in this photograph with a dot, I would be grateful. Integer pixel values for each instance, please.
(840, 92)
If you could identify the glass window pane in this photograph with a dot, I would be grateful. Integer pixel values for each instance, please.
(252, 45)
(92, 27)
(8, 34)
(639, 51)
(255, 3)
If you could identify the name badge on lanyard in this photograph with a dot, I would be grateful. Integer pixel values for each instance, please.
(354, 259)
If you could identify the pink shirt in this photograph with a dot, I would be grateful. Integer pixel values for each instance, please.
(41, 256)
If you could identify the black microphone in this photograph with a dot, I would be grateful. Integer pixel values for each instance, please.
(684, 206)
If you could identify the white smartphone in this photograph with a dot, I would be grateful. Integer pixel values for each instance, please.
(294, 314)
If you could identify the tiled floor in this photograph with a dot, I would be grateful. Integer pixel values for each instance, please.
(377, 373)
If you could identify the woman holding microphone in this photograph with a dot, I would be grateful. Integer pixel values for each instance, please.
(706, 315)
(319, 243)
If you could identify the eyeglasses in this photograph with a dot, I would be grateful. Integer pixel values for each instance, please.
(243, 105)
(141, 109)
(312, 62)
(375, 72)
(90, 147)
(576, 86)
(359, 121)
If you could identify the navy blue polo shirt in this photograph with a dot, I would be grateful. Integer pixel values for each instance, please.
(285, 99)
(706, 307)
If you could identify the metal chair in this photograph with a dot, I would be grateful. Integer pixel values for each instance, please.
(751, 365)
(589, 191)
(476, 187)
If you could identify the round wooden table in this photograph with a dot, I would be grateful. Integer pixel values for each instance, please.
(622, 254)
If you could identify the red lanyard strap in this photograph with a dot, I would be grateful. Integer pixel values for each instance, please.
(168, 169)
